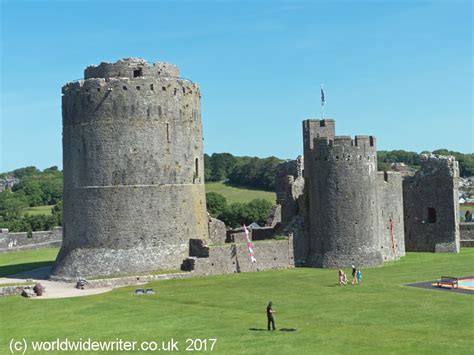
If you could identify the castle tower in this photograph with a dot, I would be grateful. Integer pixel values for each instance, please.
(133, 170)
(431, 206)
(341, 183)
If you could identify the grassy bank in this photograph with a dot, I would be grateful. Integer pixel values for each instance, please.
(380, 316)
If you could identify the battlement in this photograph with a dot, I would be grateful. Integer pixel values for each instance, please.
(344, 148)
(439, 165)
(160, 84)
(389, 177)
(315, 129)
(131, 68)
(367, 142)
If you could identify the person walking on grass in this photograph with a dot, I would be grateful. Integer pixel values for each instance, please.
(270, 316)
(359, 276)
(354, 279)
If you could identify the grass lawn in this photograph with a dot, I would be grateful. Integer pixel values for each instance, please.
(16, 262)
(237, 194)
(380, 316)
(39, 210)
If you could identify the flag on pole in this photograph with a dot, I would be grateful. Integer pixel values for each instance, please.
(249, 245)
(323, 99)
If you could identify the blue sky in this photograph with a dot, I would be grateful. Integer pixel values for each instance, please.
(399, 70)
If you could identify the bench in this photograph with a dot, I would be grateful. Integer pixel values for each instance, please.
(448, 281)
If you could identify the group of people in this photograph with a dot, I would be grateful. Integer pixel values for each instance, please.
(356, 279)
(356, 276)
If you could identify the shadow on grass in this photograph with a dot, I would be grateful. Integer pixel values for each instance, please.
(9, 270)
(265, 330)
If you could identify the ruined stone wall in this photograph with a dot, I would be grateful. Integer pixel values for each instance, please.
(466, 234)
(391, 230)
(342, 191)
(12, 241)
(289, 186)
(133, 170)
(230, 258)
(290, 190)
(431, 208)
(466, 231)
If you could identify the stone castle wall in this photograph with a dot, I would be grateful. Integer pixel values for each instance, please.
(133, 170)
(391, 231)
(13, 241)
(431, 208)
(466, 234)
(233, 257)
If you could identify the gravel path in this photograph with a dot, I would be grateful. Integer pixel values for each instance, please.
(54, 289)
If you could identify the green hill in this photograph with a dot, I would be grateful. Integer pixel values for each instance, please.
(239, 194)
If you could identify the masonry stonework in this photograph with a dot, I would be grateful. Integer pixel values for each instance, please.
(342, 192)
(12, 241)
(133, 170)
(391, 231)
(431, 208)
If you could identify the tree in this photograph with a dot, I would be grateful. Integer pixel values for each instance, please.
(57, 211)
(237, 214)
(216, 204)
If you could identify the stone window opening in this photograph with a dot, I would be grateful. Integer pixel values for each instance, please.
(124, 87)
(196, 169)
(371, 141)
(431, 215)
(138, 87)
(137, 72)
(152, 87)
(385, 176)
(168, 138)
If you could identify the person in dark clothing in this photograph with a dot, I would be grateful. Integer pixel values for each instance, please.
(270, 316)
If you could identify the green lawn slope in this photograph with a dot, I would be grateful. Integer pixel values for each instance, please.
(380, 316)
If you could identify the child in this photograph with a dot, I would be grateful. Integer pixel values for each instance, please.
(359, 276)
(342, 278)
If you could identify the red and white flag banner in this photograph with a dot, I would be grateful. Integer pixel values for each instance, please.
(249, 245)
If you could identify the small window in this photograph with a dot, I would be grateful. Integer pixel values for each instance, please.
(168, 132)
(431, 215)
(137, 72)
(371, 141)
(196, 167)
(385, 176)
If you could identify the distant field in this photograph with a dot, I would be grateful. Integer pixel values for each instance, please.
(232, 194)
(39, 210)
(237, 194)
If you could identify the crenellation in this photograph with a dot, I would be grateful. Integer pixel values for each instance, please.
(131, 68)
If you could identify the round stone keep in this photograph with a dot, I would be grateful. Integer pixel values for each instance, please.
(133, 170)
